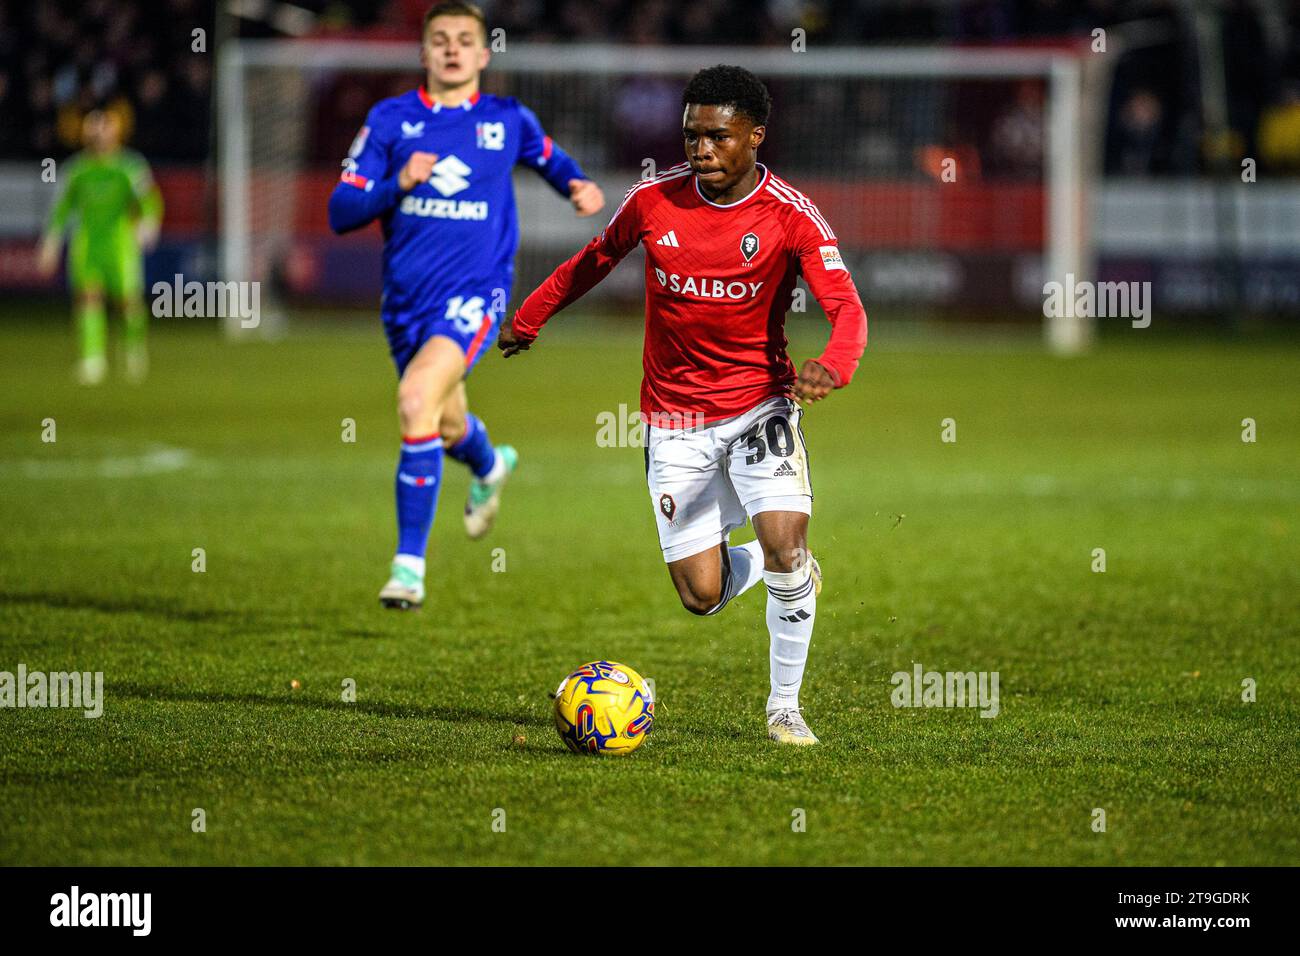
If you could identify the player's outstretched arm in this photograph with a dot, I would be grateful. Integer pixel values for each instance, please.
(358, 201)
(150, 199)
(511, 342)
(47, 255)
(368, 188)
(561, 171)
(573, 279)
(149, 227)
(833, 288)
(586, 197)
(814, 382)
(51, 244)
(834, 368)
(567, 284)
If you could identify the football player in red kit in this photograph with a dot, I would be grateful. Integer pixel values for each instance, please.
(725, 240)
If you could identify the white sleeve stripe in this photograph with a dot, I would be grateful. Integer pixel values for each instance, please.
(825, 233)
(791, 202)
(804, 201)
(675, 173)
(801, 201)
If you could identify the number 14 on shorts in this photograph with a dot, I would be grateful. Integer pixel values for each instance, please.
(466, 313)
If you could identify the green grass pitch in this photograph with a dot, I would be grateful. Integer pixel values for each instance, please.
(1119, 690)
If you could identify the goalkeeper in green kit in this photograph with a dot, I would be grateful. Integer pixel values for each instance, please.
(110, 209)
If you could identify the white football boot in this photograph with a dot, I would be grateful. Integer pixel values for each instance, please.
(786, 726)
(92, 370)
(404, 590)
(137, 365)
(485, 495)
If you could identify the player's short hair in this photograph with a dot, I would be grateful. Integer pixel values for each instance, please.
(732, 86)
(454, 8)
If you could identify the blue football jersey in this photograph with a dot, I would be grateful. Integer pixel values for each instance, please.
(459, 229)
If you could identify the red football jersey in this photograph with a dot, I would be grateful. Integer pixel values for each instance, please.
(718, 281)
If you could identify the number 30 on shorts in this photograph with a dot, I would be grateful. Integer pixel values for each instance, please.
(774, 435)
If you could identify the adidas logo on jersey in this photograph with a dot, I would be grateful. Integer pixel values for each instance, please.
(668, 239)
(784, 471)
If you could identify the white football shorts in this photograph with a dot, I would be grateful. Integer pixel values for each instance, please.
(705, 481)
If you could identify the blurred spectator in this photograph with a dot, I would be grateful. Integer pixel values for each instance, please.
(154, 109)
(1017, 139)
(1136, 144)
(648, 110)
(61, 58)
(875, 145)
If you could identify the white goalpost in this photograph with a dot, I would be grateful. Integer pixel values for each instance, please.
(859, 116)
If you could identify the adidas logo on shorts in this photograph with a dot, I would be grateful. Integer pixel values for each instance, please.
(784, 471)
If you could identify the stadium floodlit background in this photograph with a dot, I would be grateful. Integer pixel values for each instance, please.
(967, 153)
(1183, 93)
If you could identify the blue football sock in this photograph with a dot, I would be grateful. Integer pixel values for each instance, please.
(419, 473)
(474, 448)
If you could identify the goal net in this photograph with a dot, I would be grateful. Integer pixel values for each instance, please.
(954, 178)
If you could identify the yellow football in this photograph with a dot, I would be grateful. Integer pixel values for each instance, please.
(603, 708)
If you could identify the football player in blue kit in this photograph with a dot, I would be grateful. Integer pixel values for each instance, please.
(434, 167)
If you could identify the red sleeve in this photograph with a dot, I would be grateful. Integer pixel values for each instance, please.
(575, 278)
(831, 284)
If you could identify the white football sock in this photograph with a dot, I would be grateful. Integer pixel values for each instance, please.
(743, 568)
(746, 567)
(411, 562)
(498, 470)
(791, 611)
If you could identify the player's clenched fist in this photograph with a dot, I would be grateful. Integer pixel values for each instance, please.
(586, 197)
(417, 169)
(509, 341)
(814, 382)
